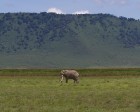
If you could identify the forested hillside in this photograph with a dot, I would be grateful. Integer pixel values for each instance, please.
(48, 40)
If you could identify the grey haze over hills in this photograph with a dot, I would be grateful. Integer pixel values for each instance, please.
(48, 40)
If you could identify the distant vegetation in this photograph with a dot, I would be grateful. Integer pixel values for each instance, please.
(68, 40)
(83, 72)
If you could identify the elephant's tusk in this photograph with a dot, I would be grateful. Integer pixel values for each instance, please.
(62, 77)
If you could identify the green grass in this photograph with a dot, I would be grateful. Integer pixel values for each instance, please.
(45, 94)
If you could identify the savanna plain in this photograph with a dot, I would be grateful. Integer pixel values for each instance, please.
(99, 90)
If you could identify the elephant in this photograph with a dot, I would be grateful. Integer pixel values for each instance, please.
(69, 74)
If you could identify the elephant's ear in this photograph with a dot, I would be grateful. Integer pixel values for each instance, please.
(63, 71)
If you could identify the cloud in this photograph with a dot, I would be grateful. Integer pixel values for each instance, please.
(55, 10)
(82, 12)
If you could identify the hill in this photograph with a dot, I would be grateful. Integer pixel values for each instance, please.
(48, 40)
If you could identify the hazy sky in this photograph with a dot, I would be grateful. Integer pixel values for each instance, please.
(126, 8)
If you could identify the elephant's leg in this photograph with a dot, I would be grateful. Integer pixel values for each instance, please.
(77, 80)
(66, 80)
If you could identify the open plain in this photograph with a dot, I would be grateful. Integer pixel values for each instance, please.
(99, 90)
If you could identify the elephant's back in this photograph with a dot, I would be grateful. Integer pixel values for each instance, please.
(72, 72)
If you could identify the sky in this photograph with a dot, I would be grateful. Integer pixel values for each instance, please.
(125, 8)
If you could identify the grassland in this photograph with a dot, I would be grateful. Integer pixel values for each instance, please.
(99, 90)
